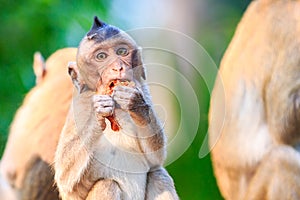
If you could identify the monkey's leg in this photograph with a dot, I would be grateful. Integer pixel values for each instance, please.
(160, 186)
(105, 189)
(39, 181)
(277, 177)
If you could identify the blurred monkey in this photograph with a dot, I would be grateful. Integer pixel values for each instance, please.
(25, 171)
(255, 106)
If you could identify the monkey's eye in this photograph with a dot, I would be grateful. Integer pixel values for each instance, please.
(122, 51)
(101, 56)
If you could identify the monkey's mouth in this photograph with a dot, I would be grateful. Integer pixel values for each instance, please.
(117, 82)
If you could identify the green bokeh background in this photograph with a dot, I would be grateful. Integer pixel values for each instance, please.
(47, 25)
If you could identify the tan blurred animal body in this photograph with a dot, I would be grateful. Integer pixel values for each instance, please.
(255, 106)
(26, 163)
(112, 145)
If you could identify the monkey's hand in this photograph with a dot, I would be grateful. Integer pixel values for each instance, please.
(132, 100)
(149, 129)
(104, 107)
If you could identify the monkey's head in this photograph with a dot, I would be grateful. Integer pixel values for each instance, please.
(106, 54)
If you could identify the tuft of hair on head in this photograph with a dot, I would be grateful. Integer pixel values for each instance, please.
(101, 31)
(98, 24)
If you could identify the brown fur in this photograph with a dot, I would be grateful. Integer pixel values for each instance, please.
(38, 181)
(254, 114)
(35, 130)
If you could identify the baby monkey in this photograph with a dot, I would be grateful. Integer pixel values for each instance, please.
(112, 145)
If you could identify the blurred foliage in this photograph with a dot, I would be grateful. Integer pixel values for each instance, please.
(47, 25)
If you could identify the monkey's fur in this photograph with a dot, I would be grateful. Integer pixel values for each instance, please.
(255, 106)
(92, 161)
(26, 164)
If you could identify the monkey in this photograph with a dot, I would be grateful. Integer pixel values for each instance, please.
(254, 117)
(112, 145)
(26, 165)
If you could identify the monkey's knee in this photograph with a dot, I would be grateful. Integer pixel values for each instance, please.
(105, 189)
(160, 186)
(278, 176)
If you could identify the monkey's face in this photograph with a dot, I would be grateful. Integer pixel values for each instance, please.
(107, 54)
(110, 60)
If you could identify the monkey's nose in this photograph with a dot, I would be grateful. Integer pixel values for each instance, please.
(117, 68)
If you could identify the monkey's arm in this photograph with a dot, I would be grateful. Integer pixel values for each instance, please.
(150, 131)
(76, 144)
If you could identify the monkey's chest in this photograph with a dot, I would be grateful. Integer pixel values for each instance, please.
(118, 156)
(122, 149)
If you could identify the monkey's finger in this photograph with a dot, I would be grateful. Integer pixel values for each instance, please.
(98, 97)
(105, 112)
(122, 95)
(125, 89)
(103, 104)
(126, 92)
(121, 100)
(123, 103)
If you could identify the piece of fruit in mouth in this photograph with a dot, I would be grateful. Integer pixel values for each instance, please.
(117, 82)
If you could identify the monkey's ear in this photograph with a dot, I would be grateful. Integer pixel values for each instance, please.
(96, 26)
(39, 67)
(75, 76)
(137, 63)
